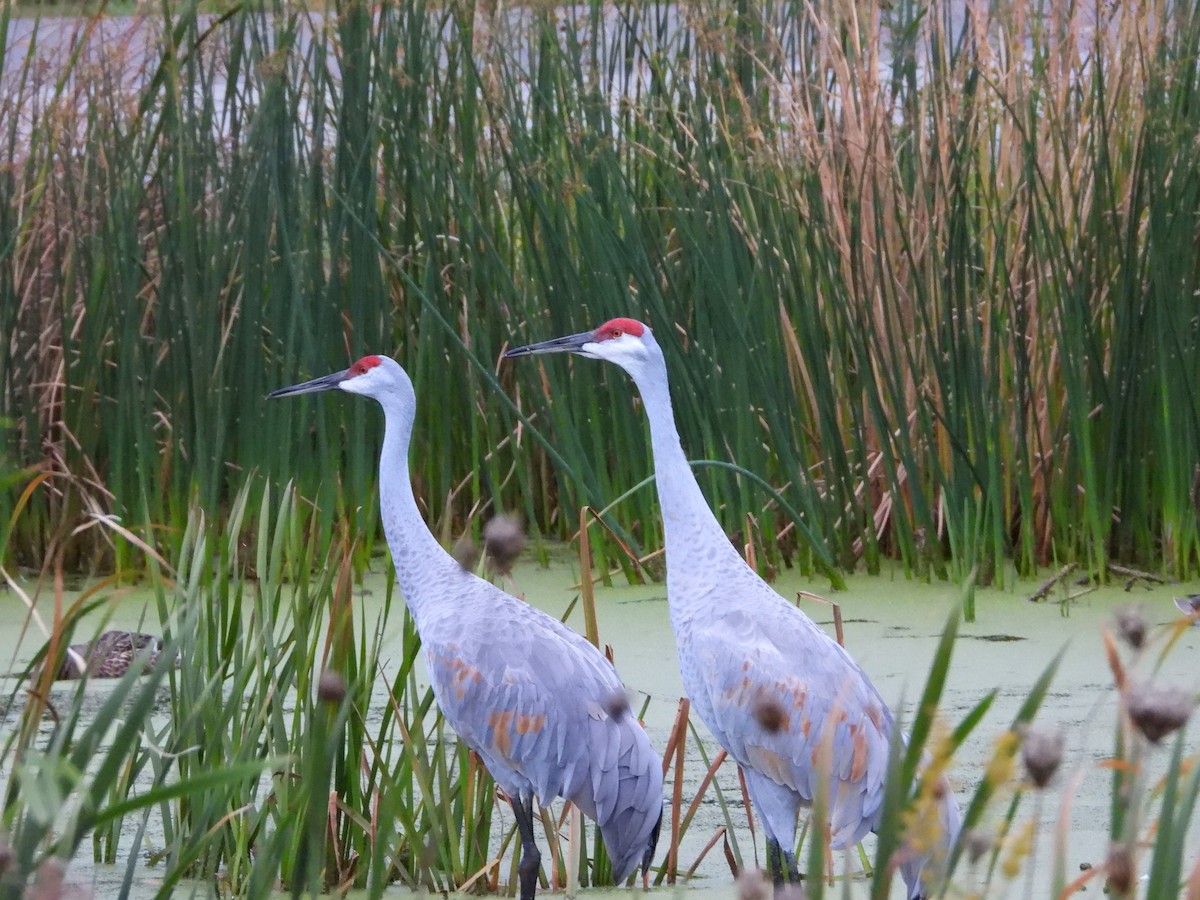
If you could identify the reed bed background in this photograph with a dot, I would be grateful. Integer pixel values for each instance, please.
(931, 273)
(931, 276)
(284, 751)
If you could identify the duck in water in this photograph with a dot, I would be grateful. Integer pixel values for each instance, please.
(110, 655)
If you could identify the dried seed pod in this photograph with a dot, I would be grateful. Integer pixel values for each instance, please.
(465, 553)
(1131, 626)
(1158, 711)
(1042, 752)
(1120, 869)
(617, 705)
(977, 843)
(50, 881)
(752, 884)
(331, 687)
(770, 714)
(503, 540)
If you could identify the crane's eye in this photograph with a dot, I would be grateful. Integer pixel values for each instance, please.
(363, 366)
(617, 332)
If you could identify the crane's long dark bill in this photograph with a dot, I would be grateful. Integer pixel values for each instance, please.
(324, 383)
(572, 343)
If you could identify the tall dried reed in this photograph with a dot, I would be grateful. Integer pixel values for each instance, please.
(928, 269)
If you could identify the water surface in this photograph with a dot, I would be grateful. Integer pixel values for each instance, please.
(891, 627)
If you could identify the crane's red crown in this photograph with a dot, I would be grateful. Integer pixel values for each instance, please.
(364, 365)
(614, 328)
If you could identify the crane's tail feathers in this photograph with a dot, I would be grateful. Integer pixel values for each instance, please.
(648, 856)
(631, 836)
(927, 852)
(628, 802)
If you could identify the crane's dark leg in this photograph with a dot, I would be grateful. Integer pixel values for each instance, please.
(774, 862)
(789, 867)
(648, 856)
(531, 857)
(781, 865)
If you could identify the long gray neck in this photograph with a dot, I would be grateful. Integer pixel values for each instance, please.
(697, 547)
(421, 562)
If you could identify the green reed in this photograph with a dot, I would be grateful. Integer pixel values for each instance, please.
(947, 312)
(284, 749)
(938, 291)
(261, 767)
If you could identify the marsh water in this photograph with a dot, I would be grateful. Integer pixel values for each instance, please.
(891, 627)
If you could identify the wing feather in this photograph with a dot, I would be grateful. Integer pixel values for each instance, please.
(533, 699)
(774, 694)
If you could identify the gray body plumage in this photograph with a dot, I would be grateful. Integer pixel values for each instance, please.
(787, 702)
(540, 705)
(741, 646)
(775, 690)
(771, 686)
(1189, 606)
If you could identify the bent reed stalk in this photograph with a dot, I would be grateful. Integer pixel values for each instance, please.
(930, 273)
(933, 278)
(285, 750)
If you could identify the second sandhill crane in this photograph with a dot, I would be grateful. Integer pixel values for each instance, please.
(541, 706)
(766, 680)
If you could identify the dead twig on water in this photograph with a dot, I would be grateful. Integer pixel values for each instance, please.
(837, 612)
(1047, 586)
(1135, 575)
(1078, 594)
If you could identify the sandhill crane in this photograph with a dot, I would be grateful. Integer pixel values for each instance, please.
(540, 705)
(766, 680)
